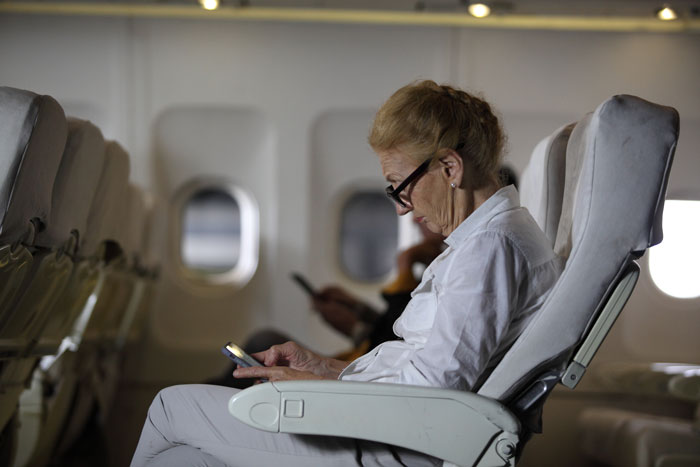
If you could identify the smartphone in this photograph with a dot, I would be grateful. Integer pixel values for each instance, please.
(239, 357)
(304, 284)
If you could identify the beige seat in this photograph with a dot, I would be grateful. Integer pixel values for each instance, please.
(620, 438)
(32, 137)
(102, 244)
(126, 279)
(74, 190)
(42, 410)
(143, 270)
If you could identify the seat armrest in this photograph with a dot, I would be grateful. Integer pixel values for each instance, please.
(459, 427)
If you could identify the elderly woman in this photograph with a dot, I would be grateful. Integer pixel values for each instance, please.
(440, 149)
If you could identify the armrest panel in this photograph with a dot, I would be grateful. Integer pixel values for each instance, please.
(456, 426)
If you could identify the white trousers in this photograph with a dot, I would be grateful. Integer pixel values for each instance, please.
(189, 425)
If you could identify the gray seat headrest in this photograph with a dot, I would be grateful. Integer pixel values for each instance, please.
(542, 184)
(32, 137)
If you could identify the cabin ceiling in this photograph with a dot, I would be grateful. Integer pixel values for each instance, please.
(627, 8)
(600, 15)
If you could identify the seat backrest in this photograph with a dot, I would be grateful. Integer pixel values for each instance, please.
(617, 166)
(136, 225)
(75, 184)
(108, 212)
(149, 237)
(33, 134)
(542, 183)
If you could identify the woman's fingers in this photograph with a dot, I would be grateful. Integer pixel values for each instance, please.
(279, 355)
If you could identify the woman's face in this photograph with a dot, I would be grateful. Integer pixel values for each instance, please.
(425, 197)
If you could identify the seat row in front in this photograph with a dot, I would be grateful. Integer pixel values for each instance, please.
(77, 266)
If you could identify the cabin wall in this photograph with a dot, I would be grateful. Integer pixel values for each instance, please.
(299, 99)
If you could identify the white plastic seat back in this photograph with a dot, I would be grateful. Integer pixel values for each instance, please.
(542, 183)
(617, 167)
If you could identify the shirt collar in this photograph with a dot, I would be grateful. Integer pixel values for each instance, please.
(503, 200)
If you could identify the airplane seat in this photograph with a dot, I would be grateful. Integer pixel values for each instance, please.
(618, 438)
(75, 186)
(74, 189)
(126, 279)
(542, 182)
(145, 269)
(617, 164)
(119, 310)
(111, 225)
(32, 137)
(103, 246)
(618, 160)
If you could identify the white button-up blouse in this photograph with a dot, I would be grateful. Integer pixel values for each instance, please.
(473, 302)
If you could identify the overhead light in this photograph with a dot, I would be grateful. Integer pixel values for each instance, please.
(479, 10)
(209, 4)
(666, 13)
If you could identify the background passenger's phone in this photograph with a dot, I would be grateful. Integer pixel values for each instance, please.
(304, 284)
(238, 356)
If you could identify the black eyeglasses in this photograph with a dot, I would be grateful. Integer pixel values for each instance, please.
(394, 193)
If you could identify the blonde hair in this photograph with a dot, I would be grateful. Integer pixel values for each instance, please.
(425, 119)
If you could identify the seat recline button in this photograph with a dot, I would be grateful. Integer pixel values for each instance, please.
(293, 408)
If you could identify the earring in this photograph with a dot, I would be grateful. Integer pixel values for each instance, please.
(453, 185)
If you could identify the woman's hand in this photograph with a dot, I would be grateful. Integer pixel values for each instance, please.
(289, 361)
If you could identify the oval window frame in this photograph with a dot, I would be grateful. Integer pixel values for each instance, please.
(341, 199)
(244, 270)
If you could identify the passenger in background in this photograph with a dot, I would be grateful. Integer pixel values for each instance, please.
(440, 149)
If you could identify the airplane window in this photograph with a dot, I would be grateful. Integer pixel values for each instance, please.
(211, 231)
(673, 263)
(368, 236)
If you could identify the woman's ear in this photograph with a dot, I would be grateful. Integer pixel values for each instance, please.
(452, 168)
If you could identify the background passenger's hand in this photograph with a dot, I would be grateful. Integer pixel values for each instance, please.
(423, 253)
(341, 315)
(339, 308)
(337, 294)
